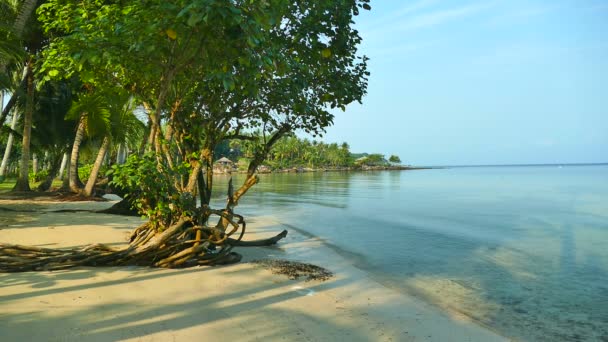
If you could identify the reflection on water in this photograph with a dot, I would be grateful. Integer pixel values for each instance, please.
(522, 250)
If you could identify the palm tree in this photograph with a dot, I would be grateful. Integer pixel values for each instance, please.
(123, 126)
(32, 42)
(23, 177)
(50, 134)
(93, 118)
(11, 49)
(9, 147)
(11, 52)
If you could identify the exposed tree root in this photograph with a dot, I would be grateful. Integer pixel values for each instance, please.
(173, 247)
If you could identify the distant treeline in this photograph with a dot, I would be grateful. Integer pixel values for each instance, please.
(292, 152)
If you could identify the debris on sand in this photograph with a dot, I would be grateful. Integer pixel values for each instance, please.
(295, 269)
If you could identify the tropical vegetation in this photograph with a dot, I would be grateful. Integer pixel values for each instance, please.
(169, 82)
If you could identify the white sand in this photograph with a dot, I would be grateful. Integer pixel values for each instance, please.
(239, 302)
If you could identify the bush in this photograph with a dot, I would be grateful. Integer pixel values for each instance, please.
(151, 191)
(39, 176)
(84, 172)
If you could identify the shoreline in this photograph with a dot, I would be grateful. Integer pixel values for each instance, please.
(240, 301)
(360, 262)
(337, 169)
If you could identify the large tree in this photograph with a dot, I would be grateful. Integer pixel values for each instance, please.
(205, 71)
(26, 30)
(51, 134)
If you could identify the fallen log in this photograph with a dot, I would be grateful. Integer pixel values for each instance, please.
(258, 243)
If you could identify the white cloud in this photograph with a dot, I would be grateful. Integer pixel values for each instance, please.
(439, 17)
(412, 17)
(517, 14)
(398, 14)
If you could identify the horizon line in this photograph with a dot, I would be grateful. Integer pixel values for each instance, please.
(506, 165)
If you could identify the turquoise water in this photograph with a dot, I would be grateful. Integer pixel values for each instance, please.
(523, 250)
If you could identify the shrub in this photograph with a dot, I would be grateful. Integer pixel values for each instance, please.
(151, 190)
(39, 176)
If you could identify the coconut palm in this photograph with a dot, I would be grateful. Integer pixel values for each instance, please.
(93, 116)
(122, 126)
(51, 132)
(26, 29)
(106, 115)
(11, 49)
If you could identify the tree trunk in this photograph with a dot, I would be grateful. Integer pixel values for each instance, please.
(121, 154)
(258, 243)
(46, 161)
(66, 179)
(64, 163)
(34, 163)
(155, 116)
(25, 13)
(9, 146)
(88, 189)
(73, 179)
(55, 163)
(23, 179)
(12, 102)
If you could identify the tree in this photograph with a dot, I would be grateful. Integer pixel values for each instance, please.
(375, 159)
(23, 177)
(93, 116)
(25, 28)
(394, 159)
(120, 124)
(270, 67)
(9, 147)
(52, 135)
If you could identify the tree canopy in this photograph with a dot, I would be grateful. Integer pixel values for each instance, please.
(204, 72)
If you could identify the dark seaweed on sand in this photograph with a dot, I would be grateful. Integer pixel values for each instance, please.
(295, 269)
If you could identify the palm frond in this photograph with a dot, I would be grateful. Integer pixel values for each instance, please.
(11, 48)
(94, 110)
(24, 14)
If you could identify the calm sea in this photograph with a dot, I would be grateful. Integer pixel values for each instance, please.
(523, 250)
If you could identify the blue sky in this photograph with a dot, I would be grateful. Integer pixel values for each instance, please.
(483, 82)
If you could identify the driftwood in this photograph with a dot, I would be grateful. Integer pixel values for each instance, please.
(188, 241)
(258, 243)
(182, 244)
(123, 207)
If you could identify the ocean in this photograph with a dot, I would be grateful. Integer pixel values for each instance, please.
(522, 250)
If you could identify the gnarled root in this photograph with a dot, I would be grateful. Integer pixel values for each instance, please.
(170, 248)
(183, 244)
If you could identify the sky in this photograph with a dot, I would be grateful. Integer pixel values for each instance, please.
(482, 82)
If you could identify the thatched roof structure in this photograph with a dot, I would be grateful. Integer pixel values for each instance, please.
(224, 160)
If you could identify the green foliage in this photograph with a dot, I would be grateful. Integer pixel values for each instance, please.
(93, 107)
(51, 132)
(374, 159)
(394, 159)
(292, 151)
(152, 190)
(84, 171)
(207, 72)
(10, 51)
(261, 64)
(38, 176)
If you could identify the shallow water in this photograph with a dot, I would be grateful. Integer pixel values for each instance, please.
(523, 250)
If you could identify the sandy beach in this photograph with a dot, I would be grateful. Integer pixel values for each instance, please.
(241, 302)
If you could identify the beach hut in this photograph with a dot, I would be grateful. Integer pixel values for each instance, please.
(223, 165)
(224, 162)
